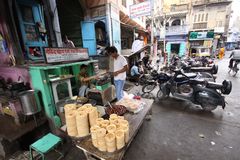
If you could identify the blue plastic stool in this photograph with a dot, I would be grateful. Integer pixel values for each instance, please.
(45, 144)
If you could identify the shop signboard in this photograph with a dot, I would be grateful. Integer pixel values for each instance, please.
(57, 55)
(140, 9)
(196, 43)
(201, 35)
(98, 12)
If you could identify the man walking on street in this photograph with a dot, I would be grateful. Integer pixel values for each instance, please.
(119, 70)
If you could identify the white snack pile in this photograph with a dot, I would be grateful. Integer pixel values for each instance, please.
(110, 135)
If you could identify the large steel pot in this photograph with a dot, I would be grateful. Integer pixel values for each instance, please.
(30, 102)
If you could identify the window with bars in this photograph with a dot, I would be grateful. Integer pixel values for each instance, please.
(202, 18)
(195, 18)
(199, 17)
(206, 17)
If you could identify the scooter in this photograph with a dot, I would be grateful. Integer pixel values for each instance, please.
(151, 83)
(184, 86)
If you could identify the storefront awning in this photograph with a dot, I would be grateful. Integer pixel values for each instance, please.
(126, 20)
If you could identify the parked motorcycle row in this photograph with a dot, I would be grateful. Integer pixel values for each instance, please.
(189, 79)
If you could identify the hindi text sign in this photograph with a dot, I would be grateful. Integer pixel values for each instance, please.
(56, 55)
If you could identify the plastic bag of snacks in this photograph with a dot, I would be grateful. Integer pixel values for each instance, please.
(132, 105)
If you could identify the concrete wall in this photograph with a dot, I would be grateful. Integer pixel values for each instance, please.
(13, 73)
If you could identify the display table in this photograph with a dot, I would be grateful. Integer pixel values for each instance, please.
(135, 122)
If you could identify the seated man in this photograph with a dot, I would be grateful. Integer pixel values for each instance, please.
(85, 80)
(135, 73)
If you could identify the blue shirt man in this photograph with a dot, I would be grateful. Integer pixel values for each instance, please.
(134, 71)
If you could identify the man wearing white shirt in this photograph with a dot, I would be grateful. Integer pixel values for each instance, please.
(120, 67)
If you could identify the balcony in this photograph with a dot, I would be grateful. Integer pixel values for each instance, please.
(200, 25)
(177, 30)
(204, 2)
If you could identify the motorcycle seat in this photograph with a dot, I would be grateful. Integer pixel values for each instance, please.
(197, 81)
(201, 68)
(191, 75)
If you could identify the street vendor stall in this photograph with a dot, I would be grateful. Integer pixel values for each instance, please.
(59, 81)
(44, 78)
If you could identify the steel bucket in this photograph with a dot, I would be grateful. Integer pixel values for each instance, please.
(30, 102)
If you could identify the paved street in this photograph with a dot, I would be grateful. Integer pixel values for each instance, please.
(180, 131)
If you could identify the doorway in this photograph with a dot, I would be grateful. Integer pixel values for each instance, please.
(175, 47)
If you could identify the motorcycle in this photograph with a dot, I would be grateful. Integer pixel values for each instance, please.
(144, 78)
(197, 65)
(185, 86)
(196, 72)
(156, 79)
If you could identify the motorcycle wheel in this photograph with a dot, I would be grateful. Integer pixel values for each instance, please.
(235, 70)
(148, 88)
(208, 107)
(227, 87)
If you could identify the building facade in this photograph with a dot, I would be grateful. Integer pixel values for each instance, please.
(233, 37)
(179, 20)
(174, 25)
(209, 17)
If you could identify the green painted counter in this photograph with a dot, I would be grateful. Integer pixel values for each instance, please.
(40, 81)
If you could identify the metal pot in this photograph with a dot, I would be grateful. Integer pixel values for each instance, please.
(30, 102)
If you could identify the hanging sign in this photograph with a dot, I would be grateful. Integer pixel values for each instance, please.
(140, 9)
(56, 55)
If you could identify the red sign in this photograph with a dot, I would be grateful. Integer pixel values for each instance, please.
(55, 55)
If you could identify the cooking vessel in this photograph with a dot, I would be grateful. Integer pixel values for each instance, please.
(29, 102)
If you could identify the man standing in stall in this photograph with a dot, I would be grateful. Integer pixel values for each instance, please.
(67, 43)
(120, 67)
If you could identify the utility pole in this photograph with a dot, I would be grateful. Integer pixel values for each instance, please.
(152, 15)
(164, 31)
